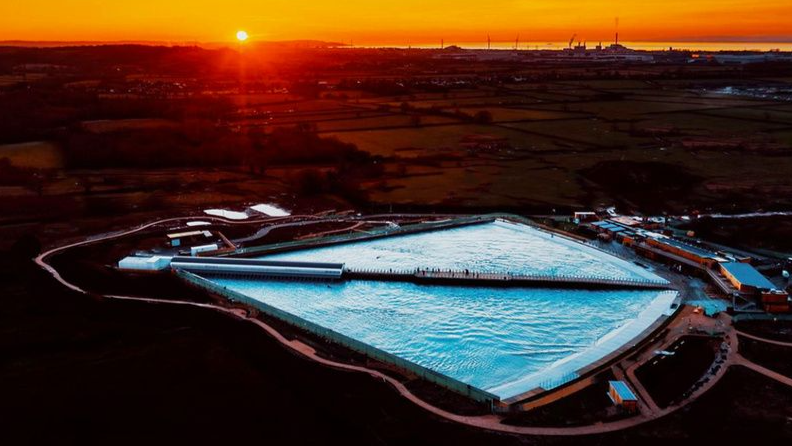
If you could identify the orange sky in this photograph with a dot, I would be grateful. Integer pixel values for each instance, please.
(387, 22)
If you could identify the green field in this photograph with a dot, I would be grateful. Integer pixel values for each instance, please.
(506, 133)
(119, 125)
(431, 139)
(500, 114)
(378, 122)
(36, 155)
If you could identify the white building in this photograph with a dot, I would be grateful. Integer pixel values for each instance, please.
(195, 250)
(152, 263)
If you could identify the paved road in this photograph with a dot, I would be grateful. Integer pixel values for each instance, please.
(783, 379)
(769, 341)
(266, 229)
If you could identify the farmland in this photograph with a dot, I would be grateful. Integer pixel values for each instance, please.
(34, 155)
(402, 129)
(538, 141)
(545, 148)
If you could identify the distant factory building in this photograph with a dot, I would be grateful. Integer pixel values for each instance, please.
(622, 396)
(740, 59)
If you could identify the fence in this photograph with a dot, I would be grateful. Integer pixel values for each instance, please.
(557, 381)
(447, 382)
(467, 276)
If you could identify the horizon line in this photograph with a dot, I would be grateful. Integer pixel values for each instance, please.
(684, 39)
(502, 45)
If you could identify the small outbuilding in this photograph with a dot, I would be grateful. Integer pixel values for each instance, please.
(622, 396)
(582, 217)
(148, 263)
(203, 249)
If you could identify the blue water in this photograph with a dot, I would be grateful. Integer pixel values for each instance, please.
(503, 340)
(493, 247)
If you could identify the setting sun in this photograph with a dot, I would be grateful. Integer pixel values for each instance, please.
(241, 35)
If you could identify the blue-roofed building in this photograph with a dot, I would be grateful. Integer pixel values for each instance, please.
(745, 277)
(600, 224)
(622, 395)
(748, 280)
(619, 232)
(608, 227)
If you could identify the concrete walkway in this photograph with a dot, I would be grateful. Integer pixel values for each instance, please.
(740, 360)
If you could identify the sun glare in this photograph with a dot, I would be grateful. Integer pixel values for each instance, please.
(241, 36)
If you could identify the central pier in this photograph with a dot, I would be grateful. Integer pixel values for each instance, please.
(265, 269)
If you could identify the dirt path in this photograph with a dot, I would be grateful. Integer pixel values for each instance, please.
(332, 231)
(650, 407)
(740, 360)
(488, 422)
(266, 230)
